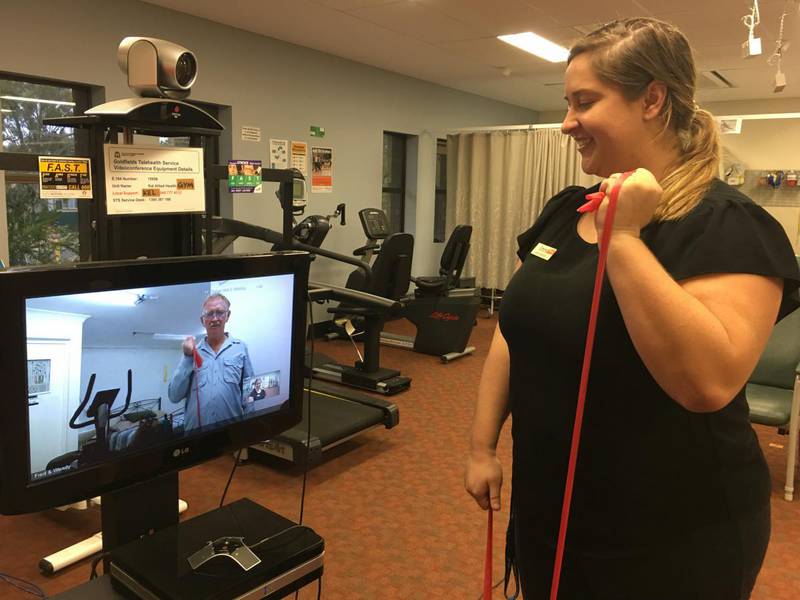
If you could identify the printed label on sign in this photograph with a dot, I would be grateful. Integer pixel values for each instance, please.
(543, 251)
(65, 177)
(153, 179)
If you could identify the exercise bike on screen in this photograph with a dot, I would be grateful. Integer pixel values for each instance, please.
(443, 313)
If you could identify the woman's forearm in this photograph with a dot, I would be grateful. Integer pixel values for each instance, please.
(491, 407)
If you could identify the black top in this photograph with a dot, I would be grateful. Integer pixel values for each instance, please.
(648, 468)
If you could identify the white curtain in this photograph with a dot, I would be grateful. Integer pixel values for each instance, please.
(498, 182)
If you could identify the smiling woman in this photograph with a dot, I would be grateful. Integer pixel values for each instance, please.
(671, 492)
(673, 138)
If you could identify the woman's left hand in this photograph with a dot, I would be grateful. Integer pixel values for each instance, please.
(638, 198)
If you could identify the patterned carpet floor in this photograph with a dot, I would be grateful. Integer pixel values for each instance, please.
(389, 503)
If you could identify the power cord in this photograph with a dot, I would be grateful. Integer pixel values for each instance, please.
(308, 430)
(230, 477)
(494, 587)
(308, 410)
(96, 561)
(24, 586)
(305, 462)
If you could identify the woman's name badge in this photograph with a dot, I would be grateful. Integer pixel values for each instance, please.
(543, 251)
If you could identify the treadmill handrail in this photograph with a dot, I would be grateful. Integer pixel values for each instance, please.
(325, 291)
(248, 230)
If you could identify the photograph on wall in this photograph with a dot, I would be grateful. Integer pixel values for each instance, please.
(300, 157)
(321, 170)
(38, 376)
(244, 176)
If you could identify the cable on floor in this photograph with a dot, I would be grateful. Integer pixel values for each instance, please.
(23, 585)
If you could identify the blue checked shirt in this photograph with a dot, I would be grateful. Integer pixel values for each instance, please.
(219, 384)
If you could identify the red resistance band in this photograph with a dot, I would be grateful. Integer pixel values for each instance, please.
(594, 202)
(487, 563)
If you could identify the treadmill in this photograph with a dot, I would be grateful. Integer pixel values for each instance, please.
(337, 414)
(335, 418)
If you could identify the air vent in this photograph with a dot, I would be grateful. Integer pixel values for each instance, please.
(713, 79)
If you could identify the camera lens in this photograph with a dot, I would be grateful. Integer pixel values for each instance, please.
(185, 69)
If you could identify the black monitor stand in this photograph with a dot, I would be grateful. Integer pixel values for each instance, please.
(123, 519)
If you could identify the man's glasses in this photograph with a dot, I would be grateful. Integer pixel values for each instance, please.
(215, 314)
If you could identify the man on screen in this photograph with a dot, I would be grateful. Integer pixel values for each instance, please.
(210, 376)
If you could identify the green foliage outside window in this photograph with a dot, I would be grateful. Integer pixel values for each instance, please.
(38, 233)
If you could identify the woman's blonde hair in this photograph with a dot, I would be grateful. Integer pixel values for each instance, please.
(630, 54)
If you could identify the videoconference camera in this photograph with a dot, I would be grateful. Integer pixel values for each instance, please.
(157, 68)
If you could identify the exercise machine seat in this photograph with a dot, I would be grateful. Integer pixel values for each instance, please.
(773, 390)
(450, 265)
(391, 271)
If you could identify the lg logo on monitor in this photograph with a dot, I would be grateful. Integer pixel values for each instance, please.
(178, 452)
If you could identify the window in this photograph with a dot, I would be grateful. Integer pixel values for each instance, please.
(394, 179)
(38, 231)
(440, 207)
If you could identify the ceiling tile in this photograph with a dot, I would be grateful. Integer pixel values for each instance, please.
(466, 55)
(729, 57)
(351, 4)
(748, 80)
(494, 18)
(707, 29)
(418, 21)
(600, 11)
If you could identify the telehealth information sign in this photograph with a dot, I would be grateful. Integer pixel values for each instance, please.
(144, 180)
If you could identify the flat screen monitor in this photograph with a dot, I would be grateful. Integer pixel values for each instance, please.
(114, 373)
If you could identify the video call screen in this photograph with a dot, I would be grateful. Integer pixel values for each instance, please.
(119, 371)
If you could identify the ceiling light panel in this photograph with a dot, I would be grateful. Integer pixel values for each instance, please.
(537, 45)
(490, 51)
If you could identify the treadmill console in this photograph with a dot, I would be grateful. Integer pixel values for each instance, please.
(375, 223)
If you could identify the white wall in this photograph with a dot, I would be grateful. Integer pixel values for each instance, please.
(270, 84)
(767, 144)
